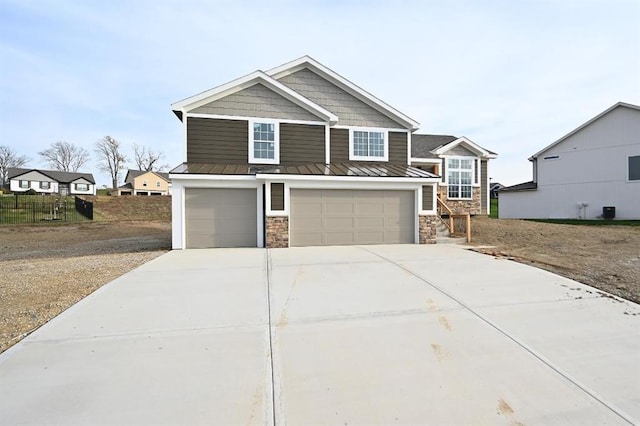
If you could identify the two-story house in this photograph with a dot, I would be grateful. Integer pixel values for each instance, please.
(590, 173)
(300, 156)
(142, 182)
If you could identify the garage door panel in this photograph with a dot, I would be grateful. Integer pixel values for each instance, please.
(217, 217)
(342, 217)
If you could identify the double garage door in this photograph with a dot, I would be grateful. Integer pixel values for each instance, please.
(344, 217)
(228, 217)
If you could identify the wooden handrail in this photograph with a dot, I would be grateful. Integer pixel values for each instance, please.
(451, 215)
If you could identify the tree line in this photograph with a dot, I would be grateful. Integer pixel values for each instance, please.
(67, 157)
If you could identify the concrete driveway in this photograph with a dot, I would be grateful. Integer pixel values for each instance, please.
(337, 335)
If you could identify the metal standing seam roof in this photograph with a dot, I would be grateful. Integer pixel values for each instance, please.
(315, 169)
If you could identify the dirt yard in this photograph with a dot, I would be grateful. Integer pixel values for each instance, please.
(46, 269)
(605, 257)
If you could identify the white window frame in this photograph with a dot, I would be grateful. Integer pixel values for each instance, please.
(77, 185)
(385, 133)
(27, 186)
(276, 143)
(43, 183)
(472, 169)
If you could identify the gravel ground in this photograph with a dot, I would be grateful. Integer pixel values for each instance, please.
(44, 270)
(606, 257)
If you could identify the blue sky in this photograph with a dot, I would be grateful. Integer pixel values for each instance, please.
(513, 76)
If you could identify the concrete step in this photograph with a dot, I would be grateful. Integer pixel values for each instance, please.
(449, 240)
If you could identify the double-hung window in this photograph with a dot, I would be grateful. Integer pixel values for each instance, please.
(368, 145)
(24, 184)
(45, 185)
(264, 141)
(459, 177)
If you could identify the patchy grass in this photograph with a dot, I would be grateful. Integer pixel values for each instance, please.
(493, 208)
(131, 208)
(589, 222)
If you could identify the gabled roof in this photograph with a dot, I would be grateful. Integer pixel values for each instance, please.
(351, 88)
(132, 174)
(61, 177)
(432, 146)
(527, 186)
(256, 77)
(576, 130)
(422, 145)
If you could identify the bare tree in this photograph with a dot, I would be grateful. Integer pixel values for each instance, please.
(148, 160)
(111, 160)
(8, 159)
(65, 156)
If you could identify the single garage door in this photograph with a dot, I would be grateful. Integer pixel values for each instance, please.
(343, 217)
(220, 218)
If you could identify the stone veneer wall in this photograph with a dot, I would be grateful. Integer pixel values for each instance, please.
(471, 206)
(277, 232)
(427, 229)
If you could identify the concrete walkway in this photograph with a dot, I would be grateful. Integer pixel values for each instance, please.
(338, 335)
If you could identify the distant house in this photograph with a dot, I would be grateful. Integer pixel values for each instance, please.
(141, 182)
(51, 182)
(494, 188)
(592, 172)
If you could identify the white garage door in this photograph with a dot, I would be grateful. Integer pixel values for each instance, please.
(220, 218)
(343, 217)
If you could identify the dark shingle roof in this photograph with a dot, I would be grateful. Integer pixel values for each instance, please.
(132, 174)
(316, 169)
(527, 186)
(62, 177)
(422, 145)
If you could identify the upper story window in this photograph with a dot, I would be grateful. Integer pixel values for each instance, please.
(24, 184)
(82, 187)
(264, 142)
(45, 185)
(158, 184)
(368, 145)
(144, 183)
(634, 168)
(460, 177)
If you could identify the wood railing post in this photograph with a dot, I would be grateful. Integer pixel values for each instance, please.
(468, 228)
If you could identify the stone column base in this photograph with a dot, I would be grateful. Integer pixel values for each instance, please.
(277, 232)
(427, 229)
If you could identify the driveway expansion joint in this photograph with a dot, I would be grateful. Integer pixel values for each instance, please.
(624, 416)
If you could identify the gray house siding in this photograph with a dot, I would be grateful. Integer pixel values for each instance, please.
(217, 141)
(350, 110)
(302, 143)
(460, 150)
(484, 186)
(257, 101)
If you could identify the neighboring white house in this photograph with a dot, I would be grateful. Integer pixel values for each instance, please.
(51, 182)
(595, 166)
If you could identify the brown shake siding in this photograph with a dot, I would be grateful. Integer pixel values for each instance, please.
(277, 196)
(427, 197)
(301, 143)
(340, 146)
(398, 147)
(217, 141)
(484, 186)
